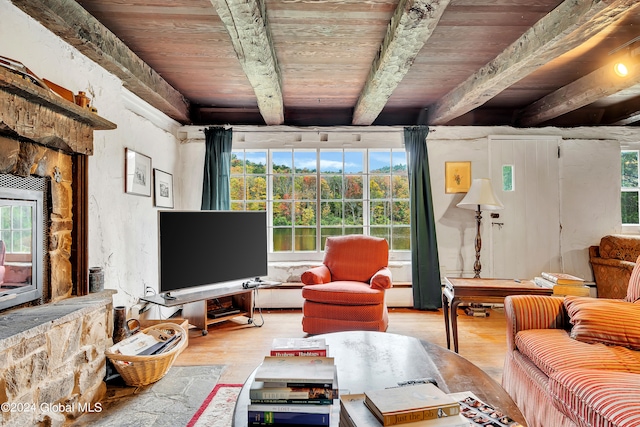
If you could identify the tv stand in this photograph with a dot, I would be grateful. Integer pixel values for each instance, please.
(238, 301)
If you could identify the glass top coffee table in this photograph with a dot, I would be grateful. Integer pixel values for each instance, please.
(376, 360)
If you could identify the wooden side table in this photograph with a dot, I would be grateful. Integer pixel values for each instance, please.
(458, 290)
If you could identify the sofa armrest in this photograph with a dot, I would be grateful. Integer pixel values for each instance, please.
(524, 312)
(382, 279)
(316, 275)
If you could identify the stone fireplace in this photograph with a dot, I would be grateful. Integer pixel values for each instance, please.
(51, 346)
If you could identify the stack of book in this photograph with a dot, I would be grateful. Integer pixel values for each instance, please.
(563, 284)
(419, 405)
(293, 390)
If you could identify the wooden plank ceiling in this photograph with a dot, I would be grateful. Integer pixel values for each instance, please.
(383, 62)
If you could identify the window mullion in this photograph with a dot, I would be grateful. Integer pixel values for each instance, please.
(318, 209)
(365, 195)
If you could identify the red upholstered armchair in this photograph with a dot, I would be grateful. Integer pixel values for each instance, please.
(346, 293)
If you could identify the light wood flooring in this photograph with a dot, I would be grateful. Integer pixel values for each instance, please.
(241, 346)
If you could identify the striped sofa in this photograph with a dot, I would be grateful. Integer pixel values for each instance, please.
(575, 361)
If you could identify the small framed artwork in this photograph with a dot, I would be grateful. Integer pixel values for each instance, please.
(457, 177)
(163, 189)
(137, 173)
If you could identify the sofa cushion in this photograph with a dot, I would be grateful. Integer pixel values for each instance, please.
(620, 246)
(597, 398)
(344, 293)
(553, 350)
(607, 321)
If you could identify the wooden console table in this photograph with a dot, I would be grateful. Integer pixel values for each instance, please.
(194, 304)
(458, 290)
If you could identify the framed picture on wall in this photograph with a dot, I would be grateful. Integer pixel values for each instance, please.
(137, 173)
(457, 177)
(163, 189)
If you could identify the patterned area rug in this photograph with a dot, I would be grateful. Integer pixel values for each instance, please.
(217, 408)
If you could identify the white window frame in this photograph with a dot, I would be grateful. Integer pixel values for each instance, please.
(629, 228)
(319, 254)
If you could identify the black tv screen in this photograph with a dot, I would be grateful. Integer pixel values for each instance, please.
(198, 248)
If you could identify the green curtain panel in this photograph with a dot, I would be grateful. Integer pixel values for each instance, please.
(425, 267)
(216, 194)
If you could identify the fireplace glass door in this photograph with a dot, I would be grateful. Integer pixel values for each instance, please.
(20, 246)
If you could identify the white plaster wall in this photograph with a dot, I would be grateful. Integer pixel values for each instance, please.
(455, 227)
(191, 171)
(590, 199)
(122, 227)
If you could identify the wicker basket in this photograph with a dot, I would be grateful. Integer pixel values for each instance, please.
(144, 370)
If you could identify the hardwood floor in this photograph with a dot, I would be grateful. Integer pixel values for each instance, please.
(241, 346)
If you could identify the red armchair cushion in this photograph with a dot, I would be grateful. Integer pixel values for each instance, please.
(343, 293)
(360, 313)
(355, 257)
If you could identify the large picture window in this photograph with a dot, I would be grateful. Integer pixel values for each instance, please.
(630, 189)
(311, 194)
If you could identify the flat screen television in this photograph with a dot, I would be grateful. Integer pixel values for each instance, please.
(198, 248)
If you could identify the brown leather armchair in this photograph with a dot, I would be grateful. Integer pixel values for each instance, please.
(612, 263)
(346, 293)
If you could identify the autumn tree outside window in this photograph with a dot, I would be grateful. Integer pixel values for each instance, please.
(311, 194)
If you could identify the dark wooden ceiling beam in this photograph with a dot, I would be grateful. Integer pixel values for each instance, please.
(411, 26)
(247, 25)
(569, 25)
(584, 91)
(68, 20)
(628, 119)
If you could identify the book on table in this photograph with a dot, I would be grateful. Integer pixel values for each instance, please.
(354, 413)
(258, 393)
(298, 415)
(315, 347)
(559, 289)
(400, 405)
(562, 278)
(287, 371)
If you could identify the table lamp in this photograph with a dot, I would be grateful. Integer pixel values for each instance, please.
(480, 197)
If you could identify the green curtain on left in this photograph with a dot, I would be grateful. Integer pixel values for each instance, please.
(425, 266)
(216, 195)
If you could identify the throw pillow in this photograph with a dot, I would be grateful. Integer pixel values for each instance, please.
(607, 321)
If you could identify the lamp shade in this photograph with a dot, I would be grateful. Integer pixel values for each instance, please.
(481, 195)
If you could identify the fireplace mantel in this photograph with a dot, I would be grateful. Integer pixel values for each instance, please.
(30, 112)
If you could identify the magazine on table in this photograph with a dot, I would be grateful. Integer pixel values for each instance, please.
(480, 413)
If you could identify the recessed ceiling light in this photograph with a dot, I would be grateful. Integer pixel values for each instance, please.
(621, 69)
